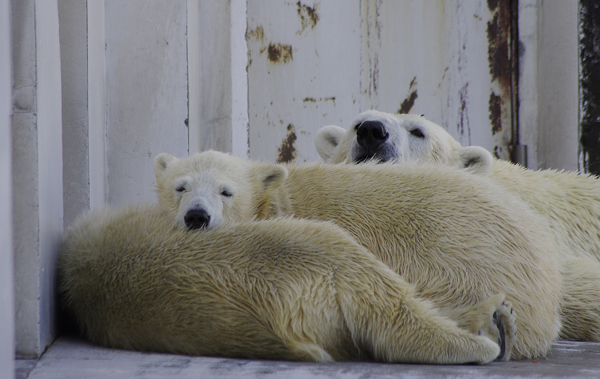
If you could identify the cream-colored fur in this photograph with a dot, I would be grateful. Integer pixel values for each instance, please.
(569, 202)
(279, 289)
(455, 237)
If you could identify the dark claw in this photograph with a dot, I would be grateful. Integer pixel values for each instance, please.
(502, 337)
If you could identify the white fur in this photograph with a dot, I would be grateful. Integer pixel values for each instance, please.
(453, 235)
(570, 204)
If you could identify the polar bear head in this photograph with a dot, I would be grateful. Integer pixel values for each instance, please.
(398, 138)
(206, 189)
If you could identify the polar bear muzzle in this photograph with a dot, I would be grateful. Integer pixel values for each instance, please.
(196, 219)
(372, 143)
(371, 134)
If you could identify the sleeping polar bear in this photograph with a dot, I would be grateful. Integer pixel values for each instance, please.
(457, 239)
(569, 202)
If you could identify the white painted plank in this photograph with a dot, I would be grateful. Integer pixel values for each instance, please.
(96, 94)
(50, 162)
(558, 85)
(146, 89)
(74, 73)
(194, 41)
(7, 316)
(528, 79)
(303, 73)
(239, 78)
(37, 170)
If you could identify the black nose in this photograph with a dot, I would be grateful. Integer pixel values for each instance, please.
(371, 134)
(196, 219)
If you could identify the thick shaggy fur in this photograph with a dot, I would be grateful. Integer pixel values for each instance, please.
(279, 289)
(569, 202)
(455, 237)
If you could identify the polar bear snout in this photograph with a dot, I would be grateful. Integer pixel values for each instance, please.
(372, 140)
(371, 134)
(196, 219)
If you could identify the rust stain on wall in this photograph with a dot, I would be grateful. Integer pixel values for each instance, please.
(495, 108)
(308, 16)
(287, 151)
(463, 111)
(589, 82)
(278, 53)
(314, 100)
(409, 102)
(258, 34)
(498, 34)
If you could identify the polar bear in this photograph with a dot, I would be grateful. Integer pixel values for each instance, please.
(277, 289)
(569, 202)
(452, 235)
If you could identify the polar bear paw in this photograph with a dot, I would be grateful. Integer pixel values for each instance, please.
(493, 318)
(504, 320)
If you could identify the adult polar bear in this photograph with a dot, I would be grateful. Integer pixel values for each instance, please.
(454, 237)
(278, 289)
(568, 201)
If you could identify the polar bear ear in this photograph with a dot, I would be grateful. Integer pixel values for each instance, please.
(476, 160)
(270, 176)
(160, 163)
(327, 139)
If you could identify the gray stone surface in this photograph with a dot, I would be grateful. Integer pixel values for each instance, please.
(74, 358)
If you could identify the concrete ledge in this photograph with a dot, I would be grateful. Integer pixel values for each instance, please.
(75, 358)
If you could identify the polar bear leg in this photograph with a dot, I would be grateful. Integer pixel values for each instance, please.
(493, 318)
(581, 299)
(399, 327)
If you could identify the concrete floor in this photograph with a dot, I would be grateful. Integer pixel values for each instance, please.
(74, 358)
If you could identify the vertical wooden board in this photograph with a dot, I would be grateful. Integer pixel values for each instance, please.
(448, 60)
(589, 56)
(74, 69)
(24, 177)
(557, 85)
(50, 162)
(7, 294)
(96, 102)
(214, 108)
(479, 75)
(303, 72)
(412, 69)
(146, 90)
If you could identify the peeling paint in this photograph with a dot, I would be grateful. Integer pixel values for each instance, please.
(257, 34)
(498, 152)
(498, 34)
(287, 151)
(308, 16)
(409, 102)
(589, 84)
(500, 65)
(314, 100)
(463, 114)
(495, 108)
(278, 53)
(371, 39)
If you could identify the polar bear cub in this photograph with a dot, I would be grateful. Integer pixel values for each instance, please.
(452, 235)
(272, 289)
(570, 203)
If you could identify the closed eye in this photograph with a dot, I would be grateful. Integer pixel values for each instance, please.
(417, 133)
(226, 193)
(180, 189)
